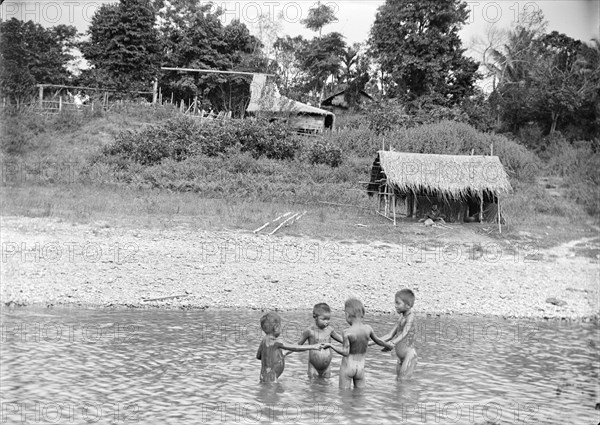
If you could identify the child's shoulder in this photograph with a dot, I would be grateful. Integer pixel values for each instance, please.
(271, 341)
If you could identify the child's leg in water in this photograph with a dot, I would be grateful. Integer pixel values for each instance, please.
(345, 375)
(406, 366)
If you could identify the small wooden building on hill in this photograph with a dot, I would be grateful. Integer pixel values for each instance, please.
(465, 188)
(266, 101)
(337, 101)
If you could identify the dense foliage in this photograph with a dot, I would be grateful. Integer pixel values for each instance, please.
(31, 54)
(419, 51)
(123, 46)
(548, 79)
(181, 138)
(194, 36)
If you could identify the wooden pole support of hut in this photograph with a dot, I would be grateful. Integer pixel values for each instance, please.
(394, 205)
(60, 103)
(41, 93)
(386, 200)
(499, 219)
(154, 92)
(414, 211)
(481, 207)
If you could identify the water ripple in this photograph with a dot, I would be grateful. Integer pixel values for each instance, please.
(170, 367)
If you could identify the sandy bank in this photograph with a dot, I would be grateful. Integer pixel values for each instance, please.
(47, 261)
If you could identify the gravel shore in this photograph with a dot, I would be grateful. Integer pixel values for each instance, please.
(51, 262)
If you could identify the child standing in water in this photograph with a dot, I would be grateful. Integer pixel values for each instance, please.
(319, 362)
(402, 335)
(269, 351)
(355, 344)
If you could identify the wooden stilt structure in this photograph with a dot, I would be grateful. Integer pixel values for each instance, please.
(481, 207)
(499, 218)
(394, 206)
(414, 209)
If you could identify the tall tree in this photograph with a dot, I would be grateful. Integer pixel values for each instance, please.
(267, 30)
(31, 54)
(194, 37)
(321, 58)
(288, 57)
(354, 74)
(416, 43)
(123, 46)
(550, 79)
(318, 17)
(563, 78)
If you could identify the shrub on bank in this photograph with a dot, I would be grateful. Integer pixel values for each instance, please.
(446, 137)
(322, 151)
(455, 138)
(240, 175)
(579, 166)
(182, 137)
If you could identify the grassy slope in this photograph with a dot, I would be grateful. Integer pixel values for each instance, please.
(62, 148)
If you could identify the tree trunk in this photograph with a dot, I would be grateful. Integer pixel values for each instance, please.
(554, 121)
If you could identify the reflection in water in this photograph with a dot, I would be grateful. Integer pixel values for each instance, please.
(78, 366)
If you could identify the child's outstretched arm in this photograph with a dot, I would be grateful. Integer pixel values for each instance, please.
(407, 328)
(388, 335)
(380, 341)
(345, 350)
(391, 333)
(295, 347)
(337, 337)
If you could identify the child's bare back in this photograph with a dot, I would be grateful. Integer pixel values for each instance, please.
(272, 359)
(355, 343)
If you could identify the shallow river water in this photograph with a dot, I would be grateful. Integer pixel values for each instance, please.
(172, 367)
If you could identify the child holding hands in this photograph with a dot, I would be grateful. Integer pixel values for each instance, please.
(270, 349)
(402, 334)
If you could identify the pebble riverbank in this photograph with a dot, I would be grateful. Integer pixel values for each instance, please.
(47, 261)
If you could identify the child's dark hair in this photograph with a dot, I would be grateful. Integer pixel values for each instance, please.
(355, 308)
(407, 296)
(321, 309)
(269, 322)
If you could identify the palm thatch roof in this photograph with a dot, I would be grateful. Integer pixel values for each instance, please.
(265, 97)
(455, 176)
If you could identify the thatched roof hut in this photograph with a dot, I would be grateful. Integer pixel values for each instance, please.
(462, 184)
(266, 99)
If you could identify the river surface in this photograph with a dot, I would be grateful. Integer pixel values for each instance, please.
(171, 367)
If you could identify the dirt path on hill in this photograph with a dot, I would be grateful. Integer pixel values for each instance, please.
(52, 262)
